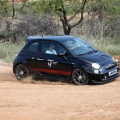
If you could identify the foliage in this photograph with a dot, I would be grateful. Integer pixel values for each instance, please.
(4, 8)
(107, 12)
(10, 9)
(108, 45)
(103, 18)
(42, 6)
(95, 28)
(36, 24)
(67, 10)
(61, 9)
(108, 8)
(9, 50)
(27, 25)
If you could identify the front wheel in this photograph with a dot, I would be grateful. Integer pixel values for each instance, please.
(80, 77)
(21, 72)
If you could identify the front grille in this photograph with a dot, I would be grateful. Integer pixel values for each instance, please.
(111, 65)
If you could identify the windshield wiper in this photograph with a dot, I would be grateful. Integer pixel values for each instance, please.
(89, 52)
(92, 51)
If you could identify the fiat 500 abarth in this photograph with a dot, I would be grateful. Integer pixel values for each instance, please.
(64, 57)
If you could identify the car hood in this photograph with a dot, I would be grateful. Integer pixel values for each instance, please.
(96, 57)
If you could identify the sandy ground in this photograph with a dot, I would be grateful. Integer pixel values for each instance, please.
(44, 100)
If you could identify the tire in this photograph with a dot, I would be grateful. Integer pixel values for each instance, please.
(21, 72)
(80, 77)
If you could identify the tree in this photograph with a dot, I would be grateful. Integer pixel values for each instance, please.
(62, 9)
(62, 13)
(4, 7)
(105, 8)
(108, 13)
(9, 8)
(8, 12)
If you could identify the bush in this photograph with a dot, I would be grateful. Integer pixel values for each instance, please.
(94, 27)
(16, 30)
(107, 44)
(36, 24)
(2, 53)
(8, 51)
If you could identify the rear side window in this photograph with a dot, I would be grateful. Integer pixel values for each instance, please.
(33, 47)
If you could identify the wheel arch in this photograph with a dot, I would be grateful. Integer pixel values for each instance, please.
(86, 74)
(18, 63)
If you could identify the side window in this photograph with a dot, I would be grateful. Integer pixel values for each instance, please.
(45, 46)
(49, 47)
(33, 47)
(60, 49)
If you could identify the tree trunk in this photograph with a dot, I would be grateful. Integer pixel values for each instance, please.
(67, 27)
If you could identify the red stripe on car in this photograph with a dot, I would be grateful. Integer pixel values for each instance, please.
(51, 71)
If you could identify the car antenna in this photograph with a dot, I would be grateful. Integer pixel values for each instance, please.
(42, 34)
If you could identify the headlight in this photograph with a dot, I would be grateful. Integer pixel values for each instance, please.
(96, 65)
(113, 59)
(16, 55)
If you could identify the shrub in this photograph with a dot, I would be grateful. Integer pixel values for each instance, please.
(94, 27)
(16, 30)
(8, 51)
(36, 24)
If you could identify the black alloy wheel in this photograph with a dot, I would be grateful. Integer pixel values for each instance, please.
(21, 72)
(80, 77)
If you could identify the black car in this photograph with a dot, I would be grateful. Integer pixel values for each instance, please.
(64, 57)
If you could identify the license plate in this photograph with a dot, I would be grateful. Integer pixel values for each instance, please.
(112, 72)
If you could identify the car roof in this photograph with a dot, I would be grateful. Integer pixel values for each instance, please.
(54, 38)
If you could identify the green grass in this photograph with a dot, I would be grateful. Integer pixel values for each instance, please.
(112, 49)
(107, 45)
(9, 50)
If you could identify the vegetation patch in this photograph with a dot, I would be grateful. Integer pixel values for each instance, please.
(9, 50)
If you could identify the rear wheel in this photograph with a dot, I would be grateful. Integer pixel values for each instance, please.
(80, 77)
(21, 72)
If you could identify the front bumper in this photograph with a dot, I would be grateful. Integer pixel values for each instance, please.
(103, 78)
(102, 81)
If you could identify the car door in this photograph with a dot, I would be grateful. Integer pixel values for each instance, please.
(32, 55)
(56, 64)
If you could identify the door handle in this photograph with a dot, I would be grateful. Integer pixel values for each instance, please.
(39, 59)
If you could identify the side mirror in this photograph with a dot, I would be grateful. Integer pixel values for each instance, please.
(63, 55)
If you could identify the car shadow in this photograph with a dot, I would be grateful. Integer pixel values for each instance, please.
(53, 80)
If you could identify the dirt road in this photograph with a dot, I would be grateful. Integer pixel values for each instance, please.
(30, 100)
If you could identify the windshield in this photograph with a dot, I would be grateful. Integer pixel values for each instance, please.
(78, 46)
